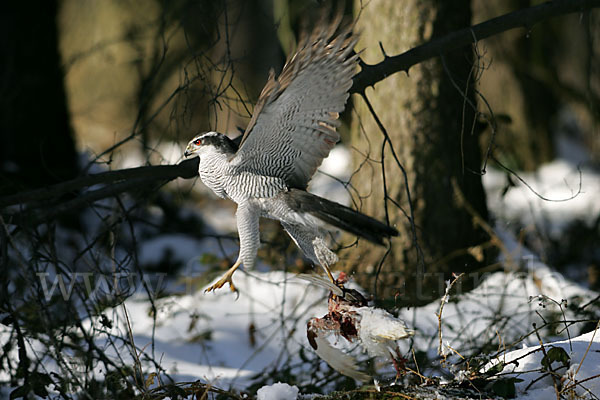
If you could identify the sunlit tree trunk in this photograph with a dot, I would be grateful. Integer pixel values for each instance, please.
(430, 124)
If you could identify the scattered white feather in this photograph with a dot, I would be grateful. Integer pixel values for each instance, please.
(342, 362)
(321, 281)
(376, 384)
(379, 330)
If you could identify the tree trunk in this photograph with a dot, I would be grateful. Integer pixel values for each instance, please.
(36, 143)
(430, 127)
(518, 83)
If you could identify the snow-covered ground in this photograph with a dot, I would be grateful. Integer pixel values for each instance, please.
(232, 342)
(566, 192)
(220, 338)
(576, 362)
(224, 341)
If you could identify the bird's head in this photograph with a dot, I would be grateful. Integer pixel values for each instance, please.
(210, 142)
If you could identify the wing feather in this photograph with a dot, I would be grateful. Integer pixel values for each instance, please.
(293, 127)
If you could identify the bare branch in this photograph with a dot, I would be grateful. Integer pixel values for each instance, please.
(525, 18)
(186, 169)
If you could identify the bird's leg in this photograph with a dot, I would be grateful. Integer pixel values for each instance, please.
(399, 362)
(226, 278)
(328, 272)
(324, 256)
(331, 278)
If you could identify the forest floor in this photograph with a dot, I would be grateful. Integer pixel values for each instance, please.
(529, 329)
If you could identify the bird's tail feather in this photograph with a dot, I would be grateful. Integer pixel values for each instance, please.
(340, 216)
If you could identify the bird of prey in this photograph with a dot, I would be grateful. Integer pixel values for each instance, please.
(292, 129)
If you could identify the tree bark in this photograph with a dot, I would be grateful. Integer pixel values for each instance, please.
(429, 123)
(36, 143)
(511, 87)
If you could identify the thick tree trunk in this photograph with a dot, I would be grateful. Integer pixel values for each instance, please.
(36, 144)
(430, 127)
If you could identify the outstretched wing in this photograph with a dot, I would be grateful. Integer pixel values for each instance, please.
(293, 126)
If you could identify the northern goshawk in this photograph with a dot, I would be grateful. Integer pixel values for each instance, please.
(292, 129)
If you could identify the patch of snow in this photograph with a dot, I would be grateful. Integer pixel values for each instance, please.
(557, 180)
(277, 391)
(504, 302)
(211, 336)
(578, 380)
(220, 217)
(182, 248)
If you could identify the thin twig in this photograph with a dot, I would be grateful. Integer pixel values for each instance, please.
(516, 175)
(550, 369)
(413, 228)
(443, 302)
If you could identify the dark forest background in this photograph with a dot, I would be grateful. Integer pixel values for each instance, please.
(98, 86)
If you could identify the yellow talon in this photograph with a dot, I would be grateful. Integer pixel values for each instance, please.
(226, 278)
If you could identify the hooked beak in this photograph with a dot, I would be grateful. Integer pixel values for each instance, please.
(188, 152)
